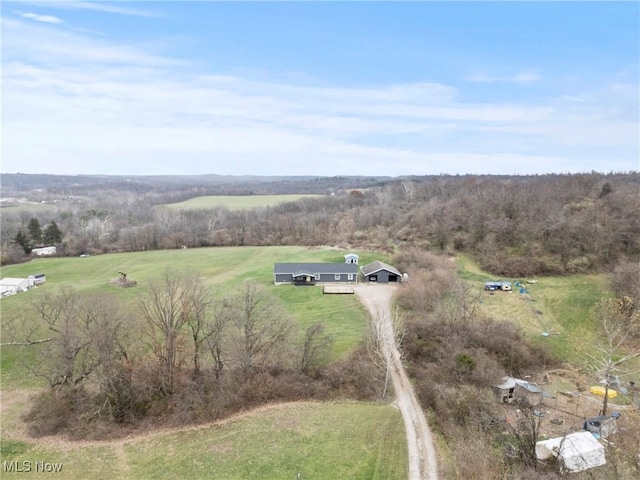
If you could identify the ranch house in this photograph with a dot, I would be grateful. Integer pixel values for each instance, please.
(312, 273)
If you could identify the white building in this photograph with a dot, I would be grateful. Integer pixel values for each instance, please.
(10, 285)
(44, 251)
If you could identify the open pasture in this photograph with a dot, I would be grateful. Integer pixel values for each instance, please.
(236, 202)
(560, 306)
(315, 440)
(223, 269)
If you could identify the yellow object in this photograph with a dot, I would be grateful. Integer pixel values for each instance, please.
(600, 391)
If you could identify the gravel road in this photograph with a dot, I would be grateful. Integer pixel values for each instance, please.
(422, 453)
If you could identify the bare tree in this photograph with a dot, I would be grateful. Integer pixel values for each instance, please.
(262, 327)
(68, 358)
(163, 308)
(196, 307)
(316, 347)
(618, 324)
(217, 333)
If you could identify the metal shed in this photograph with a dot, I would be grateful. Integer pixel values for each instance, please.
(380, 272)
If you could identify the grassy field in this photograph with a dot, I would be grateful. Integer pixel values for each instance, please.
(315, 440)
(559, 306)
(236, 202)
(318, 440)
(26, 207)
(224, 269)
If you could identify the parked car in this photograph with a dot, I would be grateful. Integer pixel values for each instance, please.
(493, 286)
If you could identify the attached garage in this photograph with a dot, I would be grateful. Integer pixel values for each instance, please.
(379, 272)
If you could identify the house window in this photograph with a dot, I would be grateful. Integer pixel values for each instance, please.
(337, 276)
(350, 277)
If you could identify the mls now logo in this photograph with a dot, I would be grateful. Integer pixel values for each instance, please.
(26, 466)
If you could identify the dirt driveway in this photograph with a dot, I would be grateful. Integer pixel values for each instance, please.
(422, 453)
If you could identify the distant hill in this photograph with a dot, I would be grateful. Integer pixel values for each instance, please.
(224, 184)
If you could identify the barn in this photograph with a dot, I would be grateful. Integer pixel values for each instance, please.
(380, 272)
(9, 286)
(312, 273)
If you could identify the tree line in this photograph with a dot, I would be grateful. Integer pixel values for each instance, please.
(181, 354)
(514, 226)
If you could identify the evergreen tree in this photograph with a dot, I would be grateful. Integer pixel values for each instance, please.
(35, 232)
(52, 234)
(22, 240)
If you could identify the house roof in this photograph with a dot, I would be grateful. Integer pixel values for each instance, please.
(12, 282)
(508, 383)
(531, 388)
(314, 268)
(376, 266)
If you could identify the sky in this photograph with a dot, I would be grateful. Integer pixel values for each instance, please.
(319, 88)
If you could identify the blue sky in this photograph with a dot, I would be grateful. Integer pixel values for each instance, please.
(322, 88)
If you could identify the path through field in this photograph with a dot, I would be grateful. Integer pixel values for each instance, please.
(422, 453)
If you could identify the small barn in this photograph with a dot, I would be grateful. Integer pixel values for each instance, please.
(379, 272)
(351, 258)
(312, 273)
(37, 279)
(9, 285)
(515, 390)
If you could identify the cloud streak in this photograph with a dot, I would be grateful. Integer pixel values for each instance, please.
(522, 78)
(100, 7)
(91, 105)
(40, 18)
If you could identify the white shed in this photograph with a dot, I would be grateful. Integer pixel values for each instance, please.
(13, 285)
(44, 251)
(577, 451)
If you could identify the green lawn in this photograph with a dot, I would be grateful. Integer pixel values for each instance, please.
(316, 440)
(560, 306)
(236, 202)
(7, 209)
(224, 269)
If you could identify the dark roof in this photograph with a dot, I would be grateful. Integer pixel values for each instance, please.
(315, 268)
(376, 266)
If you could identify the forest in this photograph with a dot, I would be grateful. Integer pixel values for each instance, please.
(513, 225)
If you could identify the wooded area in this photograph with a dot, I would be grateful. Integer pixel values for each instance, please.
(514, 226)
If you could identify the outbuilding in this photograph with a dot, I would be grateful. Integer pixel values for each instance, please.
(380, 272)
(515, 390)
(9, 285)
(576, 452)
(40, 251)
(37, 279)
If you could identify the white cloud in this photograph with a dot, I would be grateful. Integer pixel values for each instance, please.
(76, 104)
(41, 18)
(94, 6)
(521, 78)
